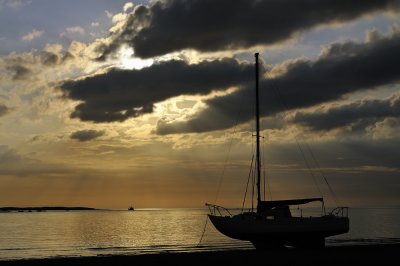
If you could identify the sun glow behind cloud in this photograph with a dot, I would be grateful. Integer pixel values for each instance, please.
(128, 61)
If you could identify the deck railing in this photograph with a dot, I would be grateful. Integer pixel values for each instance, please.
(218, 210)
(340, 212)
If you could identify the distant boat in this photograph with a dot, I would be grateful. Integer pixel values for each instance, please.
(131, 208)
(271, 224)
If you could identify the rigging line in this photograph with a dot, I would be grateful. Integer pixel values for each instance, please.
(253, 150)
(263, 167)
(263, 156)
(248, 180)
(282, 103)
(265, 179)
(223, 171)
(234, 131)
(227, 156)
(264, 184)
(335, 198)
(309, 168)
(268, 185)
(253, 183)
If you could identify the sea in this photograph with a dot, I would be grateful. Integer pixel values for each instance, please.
(28, 235)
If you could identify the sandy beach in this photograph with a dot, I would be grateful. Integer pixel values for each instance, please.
(356, 255)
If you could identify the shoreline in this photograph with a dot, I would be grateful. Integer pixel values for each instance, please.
(44, 208)
(359, 254)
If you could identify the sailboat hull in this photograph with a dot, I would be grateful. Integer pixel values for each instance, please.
(294, 231)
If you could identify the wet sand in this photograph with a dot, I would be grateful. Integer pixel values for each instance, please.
(383, 254)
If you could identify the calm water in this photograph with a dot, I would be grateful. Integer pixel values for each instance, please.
(91, 233)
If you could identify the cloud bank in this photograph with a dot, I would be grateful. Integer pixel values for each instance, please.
(366, 112)
(341, 69)
(4, 109)
(208, 25)
(120, 94)
(86, 135)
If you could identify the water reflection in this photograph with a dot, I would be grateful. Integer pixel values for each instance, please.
(86, 233)
(78, 233)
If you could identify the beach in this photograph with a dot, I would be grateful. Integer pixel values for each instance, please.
(357, 254)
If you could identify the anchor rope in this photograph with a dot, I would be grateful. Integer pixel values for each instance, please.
(204, 232)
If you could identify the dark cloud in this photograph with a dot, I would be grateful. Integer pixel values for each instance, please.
(342, 68)
(86, 135)
(120, 94)
(67, 56)
(209, 25)
(19, 71)
(361, 112)
(4, 109)
(48, 58)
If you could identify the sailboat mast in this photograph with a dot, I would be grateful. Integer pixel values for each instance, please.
(258, 163)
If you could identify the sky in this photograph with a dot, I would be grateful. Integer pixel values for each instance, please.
(109, 104)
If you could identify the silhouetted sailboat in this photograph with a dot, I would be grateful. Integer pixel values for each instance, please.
(272, 223)
(131, 208)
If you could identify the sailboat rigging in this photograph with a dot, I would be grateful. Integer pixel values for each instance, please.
(272, 224)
